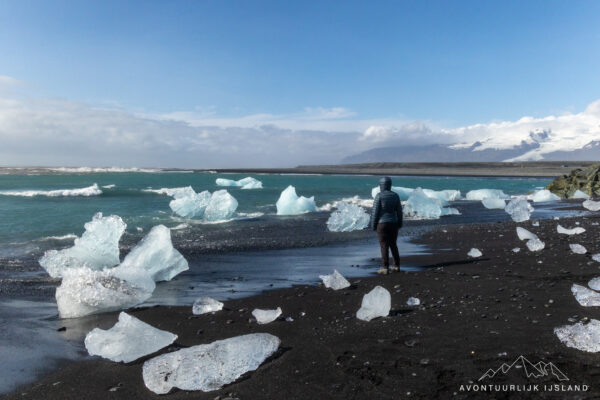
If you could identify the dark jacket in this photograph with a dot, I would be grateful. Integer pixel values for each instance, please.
(386, 206)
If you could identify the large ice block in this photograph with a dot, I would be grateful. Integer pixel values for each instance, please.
(419, 205)
(189, 204)
(376, 303)
(519, 209)
(493, 203)
(221, 206)
(128, 340)
(580, 336)
(544, 195)
(335, 281)
(96, 249)
(480, 194)
(578, 194)
(208, 367)
(348, 217)
(290, 203)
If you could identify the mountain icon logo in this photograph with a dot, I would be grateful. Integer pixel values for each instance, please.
(531, 370)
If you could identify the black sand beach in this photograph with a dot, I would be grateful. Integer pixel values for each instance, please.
(474, 315)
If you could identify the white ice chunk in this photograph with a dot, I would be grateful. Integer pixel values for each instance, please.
(592, 205)
(245, 183)
(586, 297)
(596, 257)
(419, 205)
(266, 316)
(577, 248)
(516, 250)
(535, 245)
(96, 249)
(221, 206)
(290, 203)
(413, 301)
(524, 234)
(204, 305)
(580, 336)
(402, 192)
(574, 231)
(376, 303)
(594, 283)
(155, 253)
(208, 367)
(474, 253)
(519, 209)
(128, 340)
(348, 217)
(335, 281)
(535, 223)
(84, 291)
(189, 204)
(442, 195)
(493, 203)
(544, 195)
(481, 194)
(580, 195)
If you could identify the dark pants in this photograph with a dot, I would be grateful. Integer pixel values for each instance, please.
(387, 232)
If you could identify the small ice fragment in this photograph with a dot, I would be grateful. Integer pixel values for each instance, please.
(413, 301)
(519, 209)
(591, 205)
(516, 250)
(204, 305)
(245, 183)
(289, 319)
(594, 283)
(290, 203)
(535, 223)
(577, 248)
(481, 194)
(139, 229)
(348, 217)
(535, 245)
(208, 367)
(376, 303)
(335, 281)
(556, 218)
(493, 203)
(580, 195)
(544, 195)
(586, 297)
(221, 206)
(596, 257)
(128, 340)
(474, 253)
(574, 231)
(266, 316)
(580, 336)
(524, 234)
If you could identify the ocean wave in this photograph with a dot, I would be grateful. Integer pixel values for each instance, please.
(368, 203)
(93, 190)
(108, 186)
(69, 236)
(87, 170)
(167, 191)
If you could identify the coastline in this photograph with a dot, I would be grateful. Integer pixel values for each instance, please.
(472, 312)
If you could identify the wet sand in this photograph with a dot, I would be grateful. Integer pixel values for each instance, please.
(475, 315)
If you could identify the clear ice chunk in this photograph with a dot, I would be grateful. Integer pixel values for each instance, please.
(516, 250)
(208, 367)
(335, 281)
(575, 231)
(402, 192)
(580, 336)
(444, 196)
(376, 303)
(519, 209)
(591, 205)
(189, 204)
(128, 340)
(577, 248)
(594, 283)
(221, 206)
(544, 195)
(535, 245)
(413, 301)
(155, 253)
(586, 297)
(474, 253)
(481, 194)
(96, 249)
(290, 203)
(524, 234)
(596, 257)
(493, 203)
(347, 217)
(580, 195)
(245, 183)
(204, 305)
(266, 316)
(419, 205)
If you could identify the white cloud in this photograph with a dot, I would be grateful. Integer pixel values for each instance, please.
(9, 81)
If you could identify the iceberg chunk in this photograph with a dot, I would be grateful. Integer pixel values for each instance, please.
(578, 249)
(266, 316)
(524, 234)
(596, 257)
(290, 203)
(96, 249)
(475, 253)
(580, 195)
(189, 204)
(419, 205)
(348, 217)
(592, 205)
(376, 303)
(155, 253)
(84, 291)
(519, 209)
(128, 340)
(245, 183)
(221, 206)
(442, 195)
(575, 231)
(335, 281)
(544, 195)
(586, 297)
(535, 245)
(413, 301)
(402, 192)
(208, 367)
(481, 194)
(581, 337)
(204, 305)
(594, 283)
(493, 203)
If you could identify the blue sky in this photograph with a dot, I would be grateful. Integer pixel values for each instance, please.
(455, 61)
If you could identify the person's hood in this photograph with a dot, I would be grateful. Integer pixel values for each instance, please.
(385, 183)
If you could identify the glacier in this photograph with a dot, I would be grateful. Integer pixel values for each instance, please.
(335, 281)
(519, 209)
(544, 195)
(580, 336)
(204, 305)
(266, 316)
(348, 217)
(128, 340)
(376, 303)
(245, 183)
(480, 194)
(289, 203)
(419, 205)
(208, 367)
(97, 248)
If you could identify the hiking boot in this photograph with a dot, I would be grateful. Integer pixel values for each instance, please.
(382, 271)
(394, 268)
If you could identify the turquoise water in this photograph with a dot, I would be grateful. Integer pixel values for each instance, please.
(29, 221)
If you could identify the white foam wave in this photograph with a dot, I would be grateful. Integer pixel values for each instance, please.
(166, 191)
(109, 186)
(368, 203)
(93, 190)
(69, 236)
(88, 170)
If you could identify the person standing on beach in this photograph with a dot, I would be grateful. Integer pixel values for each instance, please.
(386, 220)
